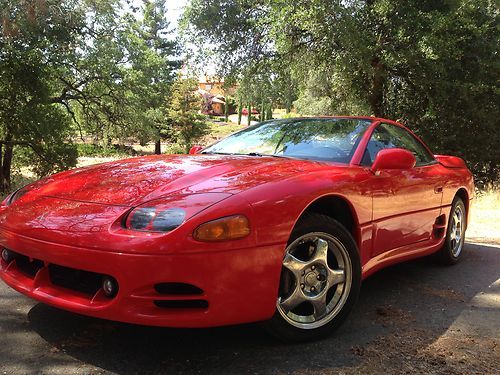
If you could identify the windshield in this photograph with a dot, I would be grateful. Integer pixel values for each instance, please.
(329, 139)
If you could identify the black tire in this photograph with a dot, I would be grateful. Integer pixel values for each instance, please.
(313, 224)
(449, 254)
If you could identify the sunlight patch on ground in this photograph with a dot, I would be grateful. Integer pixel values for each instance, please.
(484, 222)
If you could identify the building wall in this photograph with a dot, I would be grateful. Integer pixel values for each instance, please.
(214, 88)
(218, 108)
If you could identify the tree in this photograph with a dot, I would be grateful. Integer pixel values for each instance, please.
(183, 117)
(153, 63)
(79, 66)
(431, 64)
(35, 40)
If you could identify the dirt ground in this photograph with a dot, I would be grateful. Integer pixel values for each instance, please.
(415, 317)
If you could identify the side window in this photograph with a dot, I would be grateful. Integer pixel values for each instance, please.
(392, 136)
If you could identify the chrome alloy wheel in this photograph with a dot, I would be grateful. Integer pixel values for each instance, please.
(457, 231)
(315, 281)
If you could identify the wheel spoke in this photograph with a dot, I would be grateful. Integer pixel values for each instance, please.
(321, 251)
(319, 305)
(292, 301)
(335, 276)
(294, 265)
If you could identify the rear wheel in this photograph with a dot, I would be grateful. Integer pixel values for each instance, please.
(451, 251)
(320, 280)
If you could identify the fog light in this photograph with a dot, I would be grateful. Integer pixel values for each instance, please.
(110, 287)
(7, 255)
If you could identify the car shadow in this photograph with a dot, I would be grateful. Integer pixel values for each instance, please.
(415, 295)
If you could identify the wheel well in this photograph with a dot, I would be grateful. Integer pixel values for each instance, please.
(337, 208)
(462, 194)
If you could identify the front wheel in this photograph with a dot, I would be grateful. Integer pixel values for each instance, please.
(320, 280)
(451, 251)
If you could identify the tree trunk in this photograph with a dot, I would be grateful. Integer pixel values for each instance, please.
(240, 110)
(2, 189)
(249, 120)
(269, 112)
(289, 102)
(226, 110)
(158, 147)
(6, 165)
(376, 96)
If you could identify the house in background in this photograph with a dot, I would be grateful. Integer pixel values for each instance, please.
(211, 84)
(211, 88)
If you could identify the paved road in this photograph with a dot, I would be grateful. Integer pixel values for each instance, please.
(415, 317)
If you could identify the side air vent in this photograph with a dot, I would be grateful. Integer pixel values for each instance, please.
(177, 289)
(439, 226)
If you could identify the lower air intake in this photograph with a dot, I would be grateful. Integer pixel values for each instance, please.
(177, 289)
(182, 304)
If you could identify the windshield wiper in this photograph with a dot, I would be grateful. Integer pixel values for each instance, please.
(248, 154)
(217, 153)
(272, 155)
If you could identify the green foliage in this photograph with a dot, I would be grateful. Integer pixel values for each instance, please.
(91, 150)
(150, 71)
(35, 38)
(45, 143)
(75, 66)
(187, 124)
(431, 64)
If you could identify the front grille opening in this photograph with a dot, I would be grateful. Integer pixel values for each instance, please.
(182, 304)
(27, 266)
(178, 289)
(81, 281)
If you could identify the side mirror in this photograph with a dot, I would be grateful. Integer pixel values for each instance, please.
(393, 158)
(195, 149)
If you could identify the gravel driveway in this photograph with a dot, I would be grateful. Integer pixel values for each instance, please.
(415, 317)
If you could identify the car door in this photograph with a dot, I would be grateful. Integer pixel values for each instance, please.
(406, 203)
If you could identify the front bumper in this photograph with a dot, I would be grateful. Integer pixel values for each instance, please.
(238, 285)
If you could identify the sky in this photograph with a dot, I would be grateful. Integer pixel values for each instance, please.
(174, 10)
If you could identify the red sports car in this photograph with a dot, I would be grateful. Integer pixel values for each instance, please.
(278, 223)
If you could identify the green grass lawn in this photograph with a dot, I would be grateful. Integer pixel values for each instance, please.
(219, 130)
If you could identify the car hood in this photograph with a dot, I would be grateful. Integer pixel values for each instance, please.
(131, 182)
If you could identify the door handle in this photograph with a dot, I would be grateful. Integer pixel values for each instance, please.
(438, 189)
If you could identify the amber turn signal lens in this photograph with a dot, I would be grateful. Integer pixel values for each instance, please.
(226, 228)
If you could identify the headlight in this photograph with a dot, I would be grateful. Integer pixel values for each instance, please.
(164, 214)
(155, 219)
(226, 228)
